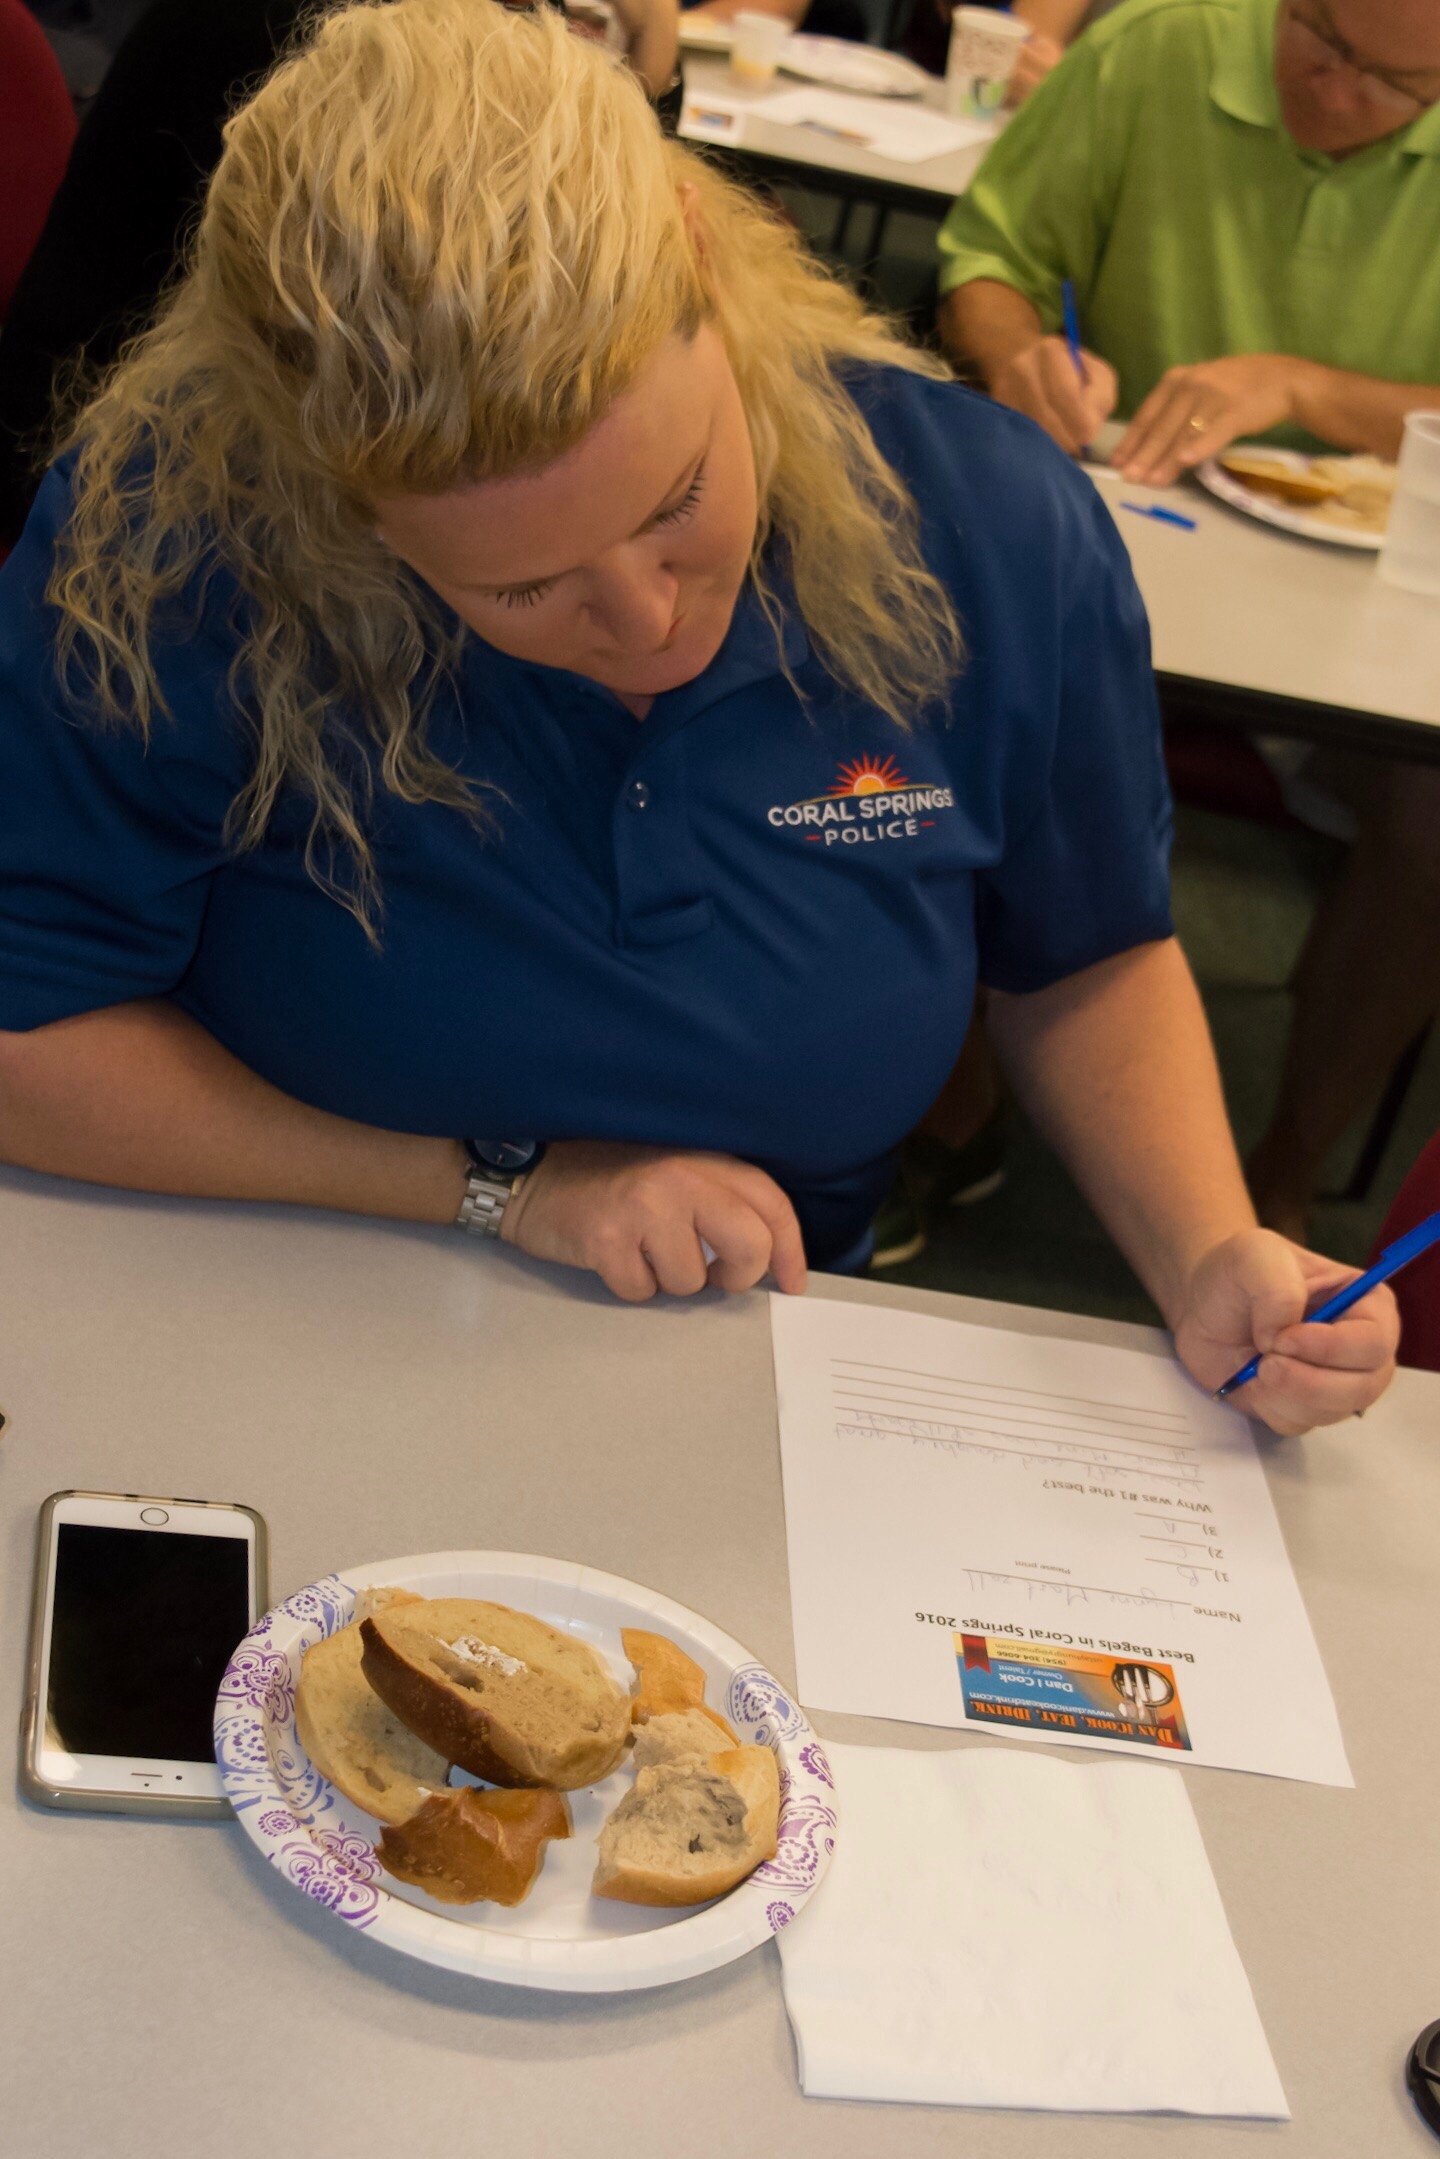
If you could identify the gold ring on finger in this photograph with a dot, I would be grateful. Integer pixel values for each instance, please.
(1197, 423)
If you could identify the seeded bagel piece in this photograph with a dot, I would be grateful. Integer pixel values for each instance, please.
(469, 1847)
(365, 1750)
(502, 1694)
(689, 1831)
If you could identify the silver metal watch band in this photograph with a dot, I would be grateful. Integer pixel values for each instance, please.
(482, 1210)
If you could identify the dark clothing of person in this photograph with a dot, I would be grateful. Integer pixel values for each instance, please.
(121, 215)
(37, 127)
(118, 225)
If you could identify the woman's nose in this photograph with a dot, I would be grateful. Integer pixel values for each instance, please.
(635, 603)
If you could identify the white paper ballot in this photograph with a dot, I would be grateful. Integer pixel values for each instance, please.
(1051, 1539)
(909, 135)
(1001, 1930)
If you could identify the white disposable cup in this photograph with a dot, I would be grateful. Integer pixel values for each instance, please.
(1410, 556)
(984, 47)
(755, 54)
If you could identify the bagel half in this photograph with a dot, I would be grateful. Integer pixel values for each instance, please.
(506, 1696)
(355, 1740)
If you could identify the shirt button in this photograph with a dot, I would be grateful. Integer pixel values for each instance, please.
(637, 795)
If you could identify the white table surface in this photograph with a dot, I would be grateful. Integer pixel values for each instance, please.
(1240, 603)
(377, 1390)
(941, 177)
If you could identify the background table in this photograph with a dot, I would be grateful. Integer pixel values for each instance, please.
(377, 1390)
(807, 159)
(1251, 627)
(1287, 636)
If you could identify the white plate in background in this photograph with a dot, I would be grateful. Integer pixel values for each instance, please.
(1271, 510)
(846, 66)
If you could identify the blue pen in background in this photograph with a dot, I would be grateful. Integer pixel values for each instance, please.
(1072, 326)
(1391, 1260)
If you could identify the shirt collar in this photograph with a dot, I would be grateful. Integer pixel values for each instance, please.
(752, 652)
(1242, 82)
(1422, 137)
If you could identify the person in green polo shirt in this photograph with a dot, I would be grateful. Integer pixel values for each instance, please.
(1246, 195)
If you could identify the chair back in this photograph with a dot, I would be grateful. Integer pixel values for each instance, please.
(1417, 1287)
(37, 127)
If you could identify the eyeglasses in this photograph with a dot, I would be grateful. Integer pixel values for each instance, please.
(1373, 86)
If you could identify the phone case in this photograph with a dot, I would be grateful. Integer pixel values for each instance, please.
(32, 1784)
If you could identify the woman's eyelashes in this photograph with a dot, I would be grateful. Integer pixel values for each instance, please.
(686, 503)
(527, 595)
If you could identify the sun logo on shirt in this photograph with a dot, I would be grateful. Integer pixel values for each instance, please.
(867, 776)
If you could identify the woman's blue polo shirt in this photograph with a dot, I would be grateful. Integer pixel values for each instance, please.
(753, 922)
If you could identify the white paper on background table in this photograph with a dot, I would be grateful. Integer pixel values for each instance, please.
(907, 136)
(1056, 1540)
(1003, 1930)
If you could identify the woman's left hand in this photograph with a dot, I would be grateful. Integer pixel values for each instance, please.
(1251, 1293)
(1195, 412)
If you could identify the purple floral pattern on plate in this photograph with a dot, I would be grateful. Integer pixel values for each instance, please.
(327, 1877)
(757, 1702)
(816, 1761)
(261, 1678)
(807, 1838)
(779, 1915)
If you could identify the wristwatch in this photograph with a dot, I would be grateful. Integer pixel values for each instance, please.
(496, 1168)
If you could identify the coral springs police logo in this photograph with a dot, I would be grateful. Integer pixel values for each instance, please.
(870, 800)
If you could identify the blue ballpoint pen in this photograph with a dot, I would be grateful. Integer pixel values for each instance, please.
(1072, 326)
(1391, 1260)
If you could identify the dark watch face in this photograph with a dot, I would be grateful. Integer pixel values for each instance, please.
(506, 1154)
(1422, 2074)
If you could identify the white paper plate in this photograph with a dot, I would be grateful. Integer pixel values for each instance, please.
(846, 66)
(1288, 516)
(560, 1937)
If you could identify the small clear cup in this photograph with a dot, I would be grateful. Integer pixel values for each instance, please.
(755, 53)
(1410, 557)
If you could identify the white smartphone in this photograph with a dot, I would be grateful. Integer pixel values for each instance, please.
(139, 1603)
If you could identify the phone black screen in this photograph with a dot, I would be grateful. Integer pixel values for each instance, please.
(144, 1624)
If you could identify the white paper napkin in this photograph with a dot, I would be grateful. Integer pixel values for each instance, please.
(999, 1929)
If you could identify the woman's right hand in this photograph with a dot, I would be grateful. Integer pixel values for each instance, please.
(636, 1217)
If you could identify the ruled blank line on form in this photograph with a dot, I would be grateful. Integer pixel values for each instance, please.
(1073, 1401)
(1082, 1455)
(845, 1391)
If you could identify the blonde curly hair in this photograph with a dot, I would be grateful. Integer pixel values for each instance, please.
(442, 238)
